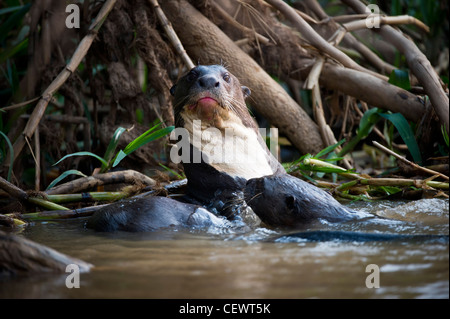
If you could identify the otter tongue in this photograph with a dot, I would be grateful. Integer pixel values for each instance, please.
(206, 107)
(206, 102)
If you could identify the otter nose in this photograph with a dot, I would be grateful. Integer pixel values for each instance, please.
(208, 82)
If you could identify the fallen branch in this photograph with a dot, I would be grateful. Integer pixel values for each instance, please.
(432, 172)
(316, 40)
(417, 62)
(367, 88)
(80, 184)
(167, 26)
(63, 214)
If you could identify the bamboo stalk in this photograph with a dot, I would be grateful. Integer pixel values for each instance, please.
(167, 26)
(319, 163)
(62, 214)
(404, 19)
(92, 196)
(45, 203)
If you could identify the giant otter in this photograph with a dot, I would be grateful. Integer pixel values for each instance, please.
(288, 202)
(225, 146)
(224, 156)
(209, 103)
(152, 213)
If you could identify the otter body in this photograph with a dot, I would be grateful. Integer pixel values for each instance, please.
(227, 163)
(152, 213)
(208, 102)
(288, 202)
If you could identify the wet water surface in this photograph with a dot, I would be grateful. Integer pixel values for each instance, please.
(408, 243)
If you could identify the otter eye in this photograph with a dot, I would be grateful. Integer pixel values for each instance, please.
(227, 77)
(191, 76)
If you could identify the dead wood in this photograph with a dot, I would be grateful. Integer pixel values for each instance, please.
(367, 88)
(85, 183)
(20, 256)
(418, 63)
(206, 43)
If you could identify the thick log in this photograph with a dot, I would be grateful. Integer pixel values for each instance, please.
(364, 87)
(20, 256)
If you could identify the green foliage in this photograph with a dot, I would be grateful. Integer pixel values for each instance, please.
(400, 78)
(111, 158)
(11, 154)
(368, 122)
(303, 164)
(64, 175)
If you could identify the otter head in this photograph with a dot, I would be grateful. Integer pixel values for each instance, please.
(210, 94)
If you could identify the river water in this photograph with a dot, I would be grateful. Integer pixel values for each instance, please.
(323, 260)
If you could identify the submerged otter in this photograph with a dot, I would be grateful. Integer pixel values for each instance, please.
(288, 201)
(152, 213)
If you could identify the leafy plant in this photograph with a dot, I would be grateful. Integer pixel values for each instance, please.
(367, 123)
(111, 158)
(11, 154)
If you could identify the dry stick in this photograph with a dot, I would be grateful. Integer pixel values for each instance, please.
(367, 53)
(14, 106)
(316, 40)
(37, 150)
(21, 195)
(405, 19)
(408, 162)
(167, 26)
(312, 83)
(236, 24)
(418, 63)
(12, 189)
(78, 55)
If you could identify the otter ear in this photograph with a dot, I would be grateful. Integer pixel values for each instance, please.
(290, 201)
(172, 90)
(246, 91)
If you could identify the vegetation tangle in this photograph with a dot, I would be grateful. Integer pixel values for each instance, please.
(359, 97)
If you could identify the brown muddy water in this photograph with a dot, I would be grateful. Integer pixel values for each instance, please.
(261, 264)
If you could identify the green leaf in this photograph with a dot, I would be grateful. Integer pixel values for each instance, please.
(147, 137)
(445, 135)
(9, 52)
(120, 156)
(64, 175)
(330, 148)
(109, 153)
(11, 155)
(368, 121)
(13, 21)
(83, 154)
(400, 78)
(404, 129)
